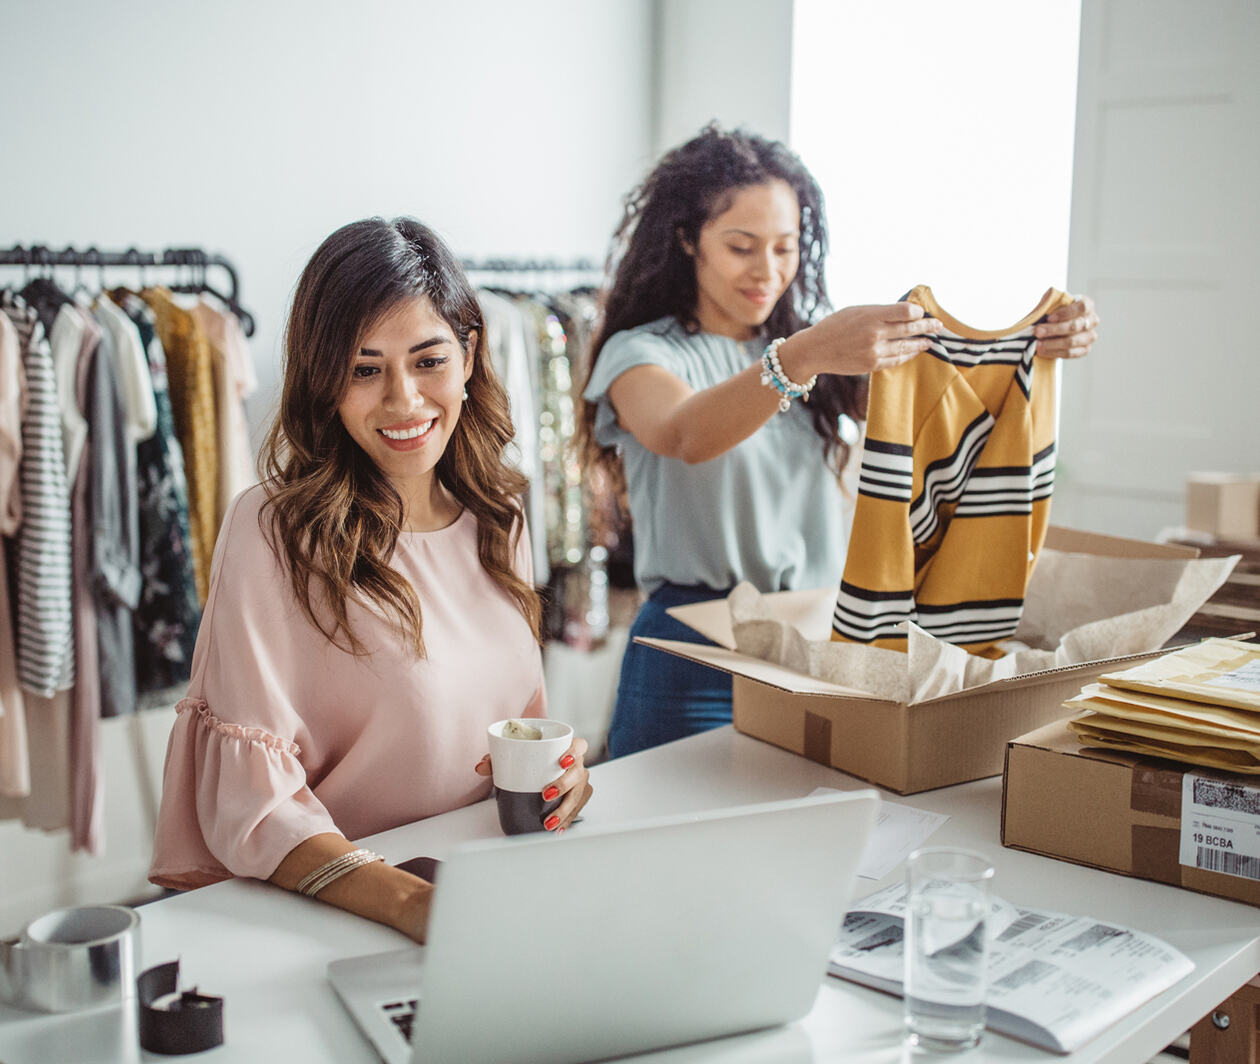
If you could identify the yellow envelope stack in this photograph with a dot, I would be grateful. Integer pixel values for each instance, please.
(1199, 704)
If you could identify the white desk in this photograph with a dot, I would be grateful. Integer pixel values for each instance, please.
(265, 950)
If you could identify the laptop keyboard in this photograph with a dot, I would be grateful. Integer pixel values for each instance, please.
(402, 1014)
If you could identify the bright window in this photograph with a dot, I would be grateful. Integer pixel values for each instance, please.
(941, 132)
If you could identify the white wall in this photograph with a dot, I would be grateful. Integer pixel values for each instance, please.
(255, 129)
(729, 60)
(941, 134)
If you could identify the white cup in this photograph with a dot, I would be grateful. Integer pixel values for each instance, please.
(522, 768)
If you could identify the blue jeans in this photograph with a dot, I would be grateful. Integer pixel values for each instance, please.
(662, 697)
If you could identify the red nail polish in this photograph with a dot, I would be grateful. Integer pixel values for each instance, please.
(566, 761)
(551, 822)
(550, 793)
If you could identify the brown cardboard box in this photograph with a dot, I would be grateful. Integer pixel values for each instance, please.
(1224, 504)
(1106, 809)
(904, 747)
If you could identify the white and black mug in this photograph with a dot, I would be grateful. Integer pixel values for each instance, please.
(522, 769)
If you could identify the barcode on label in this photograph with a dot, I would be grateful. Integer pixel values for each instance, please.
(1219, 794)
(1232, 864)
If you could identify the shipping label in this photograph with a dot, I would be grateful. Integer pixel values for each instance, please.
(1220, 826)
(1244, 678)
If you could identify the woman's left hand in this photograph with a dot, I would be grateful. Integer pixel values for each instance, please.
(574, 784)
(572, 787)
(1068, 332)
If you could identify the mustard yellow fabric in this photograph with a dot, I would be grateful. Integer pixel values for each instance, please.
(190, 369)
(954, 488)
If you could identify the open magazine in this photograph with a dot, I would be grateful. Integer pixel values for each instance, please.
(1054, 980)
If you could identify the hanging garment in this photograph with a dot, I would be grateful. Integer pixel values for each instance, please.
(234, 379)
(608, 519)
(954, 490)
(47, 806)
(168, 613)
(134, 381)
(68, 337)
(190, 370)
(511, 351)
(44, 297)
(45, 641)
(15, 776)
(86, 807)
(115, 527)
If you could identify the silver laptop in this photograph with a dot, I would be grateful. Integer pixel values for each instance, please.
(618, 940)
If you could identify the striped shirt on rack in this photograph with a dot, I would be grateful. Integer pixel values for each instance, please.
(45, 641)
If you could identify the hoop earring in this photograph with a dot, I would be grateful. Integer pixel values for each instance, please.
(465, 395)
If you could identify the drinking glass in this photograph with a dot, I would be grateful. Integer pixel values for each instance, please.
(946, 947)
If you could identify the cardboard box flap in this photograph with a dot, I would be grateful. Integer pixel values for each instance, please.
(785, 679)
(766, 672)
(1074, 541)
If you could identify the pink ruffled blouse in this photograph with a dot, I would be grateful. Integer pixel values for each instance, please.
(284, 736)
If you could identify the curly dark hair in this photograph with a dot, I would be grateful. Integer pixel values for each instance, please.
(654, 276)
(334, 516)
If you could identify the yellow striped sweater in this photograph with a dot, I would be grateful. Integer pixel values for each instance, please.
(954, 491)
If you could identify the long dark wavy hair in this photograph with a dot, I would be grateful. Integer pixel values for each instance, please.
(334, 517)
(654, 276)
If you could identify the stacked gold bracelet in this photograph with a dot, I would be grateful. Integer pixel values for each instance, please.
(330, 871)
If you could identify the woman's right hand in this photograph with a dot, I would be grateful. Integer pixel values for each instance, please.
(858, 340)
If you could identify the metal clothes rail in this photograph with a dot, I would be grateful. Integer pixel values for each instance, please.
(194, 261)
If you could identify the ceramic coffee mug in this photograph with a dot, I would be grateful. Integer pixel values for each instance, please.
(522, 768)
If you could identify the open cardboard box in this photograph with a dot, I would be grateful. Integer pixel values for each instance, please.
(1117, 811)
(905, 747)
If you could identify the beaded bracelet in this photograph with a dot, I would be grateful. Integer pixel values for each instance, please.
(772, 376)
(330, 871)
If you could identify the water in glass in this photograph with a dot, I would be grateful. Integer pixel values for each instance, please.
(945, 966)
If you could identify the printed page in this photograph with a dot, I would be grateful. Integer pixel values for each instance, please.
(1054, 980)
(1075, 976)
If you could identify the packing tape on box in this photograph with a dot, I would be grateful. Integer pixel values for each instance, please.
(1155, 790)
(173, 1022)
(1156, 850)
(817, 744)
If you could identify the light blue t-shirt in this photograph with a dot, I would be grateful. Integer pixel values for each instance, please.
(768, 511)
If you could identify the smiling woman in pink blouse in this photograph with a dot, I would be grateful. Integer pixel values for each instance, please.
(371, 608)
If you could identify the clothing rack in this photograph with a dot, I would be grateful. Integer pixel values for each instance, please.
(534, 275)
(530, 266)
(194, 260)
